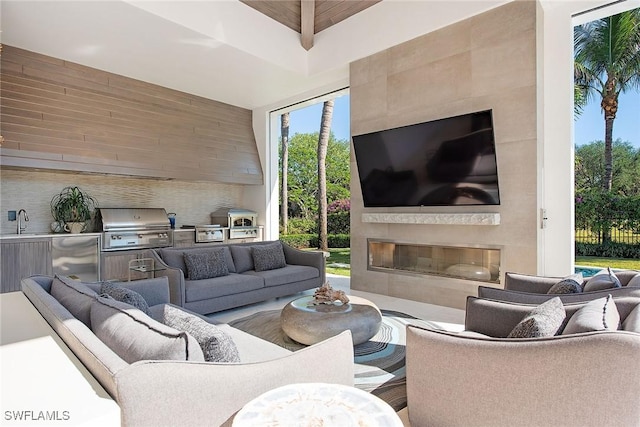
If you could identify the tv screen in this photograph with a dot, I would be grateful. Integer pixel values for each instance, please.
(446, 162)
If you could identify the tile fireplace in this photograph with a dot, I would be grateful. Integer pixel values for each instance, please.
(469, 263)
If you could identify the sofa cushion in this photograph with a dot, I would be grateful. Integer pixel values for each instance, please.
(635, 281)
(288, 274)
(597, 315)
(216, 344)
(175, 258)
(632, 322)
(543, 321)
(206, 264)
(604, 279)
(625, 276)
(125, 295)
(198, 290)
(569, 285)
(134, 336)
(75, 296)
(268, 257)
(242, 258)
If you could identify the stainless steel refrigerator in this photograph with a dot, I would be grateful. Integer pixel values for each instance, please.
(77, 257)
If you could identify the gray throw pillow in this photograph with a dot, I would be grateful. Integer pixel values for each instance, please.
(134, 336)
(632, 322)
(216, 344)
(268, 257)
(597, 315)
(604, 279)
(569, 285)
(206, 264)
(75, 296)
(125, 295)
(242, 258)
(543, 321)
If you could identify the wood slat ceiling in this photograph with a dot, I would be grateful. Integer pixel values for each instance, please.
(327, 12)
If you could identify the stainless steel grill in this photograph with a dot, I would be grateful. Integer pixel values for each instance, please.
(134, 228)
(242, 223)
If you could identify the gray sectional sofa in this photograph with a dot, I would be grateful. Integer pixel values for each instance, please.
(157, 374)
(482, 378)
(208, 279)
(528, 289)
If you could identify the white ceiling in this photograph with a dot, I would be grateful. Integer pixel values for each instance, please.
(218, 49)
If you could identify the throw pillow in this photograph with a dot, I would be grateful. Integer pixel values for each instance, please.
(125, 295)
(604, 279)
(74, 296)
(542, 321)
(216, 344)
(206, 264)
(242, 258)
(134, 336)
(569, 285)
(268, 257)
(635, 281)
(632, 322)
(597, 315)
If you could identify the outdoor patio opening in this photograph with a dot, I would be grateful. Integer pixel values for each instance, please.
(470, 263)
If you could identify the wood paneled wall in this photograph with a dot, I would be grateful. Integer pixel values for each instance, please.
(64, 116)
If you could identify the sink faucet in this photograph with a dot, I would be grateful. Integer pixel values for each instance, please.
(22, 227)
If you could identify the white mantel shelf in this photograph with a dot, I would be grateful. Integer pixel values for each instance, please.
(433, 218)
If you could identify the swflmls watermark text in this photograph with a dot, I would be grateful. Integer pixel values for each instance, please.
(34, 415)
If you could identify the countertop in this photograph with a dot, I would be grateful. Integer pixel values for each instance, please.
(43, 235)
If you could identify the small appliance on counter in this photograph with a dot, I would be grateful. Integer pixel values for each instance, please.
(172, 219)
(242, 223)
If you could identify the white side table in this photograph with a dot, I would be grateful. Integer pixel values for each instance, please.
(315, 404)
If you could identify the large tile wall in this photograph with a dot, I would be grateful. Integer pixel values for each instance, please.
(485, 62)
(193, 202)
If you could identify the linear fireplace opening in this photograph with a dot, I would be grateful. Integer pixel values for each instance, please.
(470, 263)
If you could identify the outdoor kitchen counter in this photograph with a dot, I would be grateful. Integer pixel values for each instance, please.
(24, 255)
(10, 236)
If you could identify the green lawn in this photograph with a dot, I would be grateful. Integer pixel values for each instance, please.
(339, 256)
(621, 263)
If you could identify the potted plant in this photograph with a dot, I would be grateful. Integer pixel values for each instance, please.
(71, 209)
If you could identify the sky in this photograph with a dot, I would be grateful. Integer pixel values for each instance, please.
(590, 125)
(307, 120)
(587, 128)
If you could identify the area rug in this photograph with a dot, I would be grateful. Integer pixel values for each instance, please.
(379, 362)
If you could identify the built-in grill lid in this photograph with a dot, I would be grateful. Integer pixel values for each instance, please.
(121, 219)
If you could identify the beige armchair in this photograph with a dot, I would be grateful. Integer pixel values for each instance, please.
(587, 379)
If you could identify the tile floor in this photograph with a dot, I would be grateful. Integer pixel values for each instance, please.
(446, 317)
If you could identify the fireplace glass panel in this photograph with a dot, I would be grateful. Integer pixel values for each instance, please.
(470, 263)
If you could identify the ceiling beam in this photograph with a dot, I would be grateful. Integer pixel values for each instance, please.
(307, 17)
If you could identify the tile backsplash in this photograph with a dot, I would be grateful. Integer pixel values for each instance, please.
(33, 190)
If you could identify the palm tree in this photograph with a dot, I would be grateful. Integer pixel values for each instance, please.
(284, 196)
(607, 63)
(323, 143)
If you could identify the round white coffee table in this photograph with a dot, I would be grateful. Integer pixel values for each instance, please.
(317, 404)
(310, 324)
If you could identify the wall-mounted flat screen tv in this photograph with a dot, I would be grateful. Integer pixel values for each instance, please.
(446, 162)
